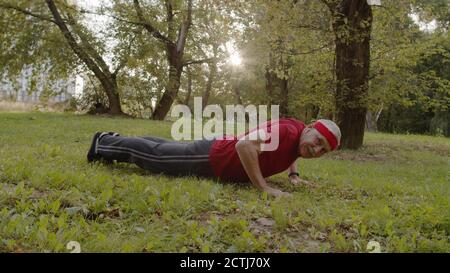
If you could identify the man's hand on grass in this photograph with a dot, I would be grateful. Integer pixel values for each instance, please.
(276, 192)
(298, 181)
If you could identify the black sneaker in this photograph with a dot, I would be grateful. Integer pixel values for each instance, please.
(113, 133)
(92, 154)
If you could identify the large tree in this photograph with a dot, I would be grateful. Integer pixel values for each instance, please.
(352, 25)
(174, 44)
(77, 37)
(288, 53)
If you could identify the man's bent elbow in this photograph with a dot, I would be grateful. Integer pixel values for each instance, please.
(241, 144)
(246, 145)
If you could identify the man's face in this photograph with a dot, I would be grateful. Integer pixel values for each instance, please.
(312, 144)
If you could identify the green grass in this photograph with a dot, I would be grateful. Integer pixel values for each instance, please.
(395, 191)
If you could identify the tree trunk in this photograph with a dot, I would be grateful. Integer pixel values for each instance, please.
(269, 86)
(274, 83)
(167, 99)
(107, 80)
(277, 87)
(370, 124)
(372, 120)
(174, 52)
(237, 93)
(284, 112)
(352, 68)
(189, 86)
(115, 107)
(211, 76)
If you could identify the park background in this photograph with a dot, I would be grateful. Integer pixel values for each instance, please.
(380, 69)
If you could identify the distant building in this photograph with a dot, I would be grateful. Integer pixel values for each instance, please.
(20, 89)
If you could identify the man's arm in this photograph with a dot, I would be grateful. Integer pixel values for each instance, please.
(293, 168)
(248, 151)
(295, 179)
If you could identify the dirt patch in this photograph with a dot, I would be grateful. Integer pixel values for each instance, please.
(299, 237)
(441, 150)
(50, 106)
(359, 157)
(109, 213)
(369, 153)
(344, 192)
(305, 243)
(10, 106)
(8, 188)
(381, 152)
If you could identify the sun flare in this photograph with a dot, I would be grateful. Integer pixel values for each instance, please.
(235, 58)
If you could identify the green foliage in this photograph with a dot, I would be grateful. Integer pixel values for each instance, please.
(290, 44)
(424, 107)
(33, 46)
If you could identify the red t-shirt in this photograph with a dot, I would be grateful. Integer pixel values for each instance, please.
(227, 165)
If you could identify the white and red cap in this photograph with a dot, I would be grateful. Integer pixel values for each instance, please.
(330, 131)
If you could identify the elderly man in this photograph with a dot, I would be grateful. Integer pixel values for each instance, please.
(239, 159)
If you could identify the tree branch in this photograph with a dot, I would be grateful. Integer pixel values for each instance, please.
(73, 43)
(311, 27)
(184, 29)
(293, 53)
(186, 63)
(155, 33)
(124, 60)
(169, 18)
(91, 50)
(27, 12)
(142, 24)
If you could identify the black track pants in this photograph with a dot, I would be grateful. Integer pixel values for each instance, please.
(159, 155)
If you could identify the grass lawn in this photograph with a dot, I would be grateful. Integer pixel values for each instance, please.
(395, 191)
